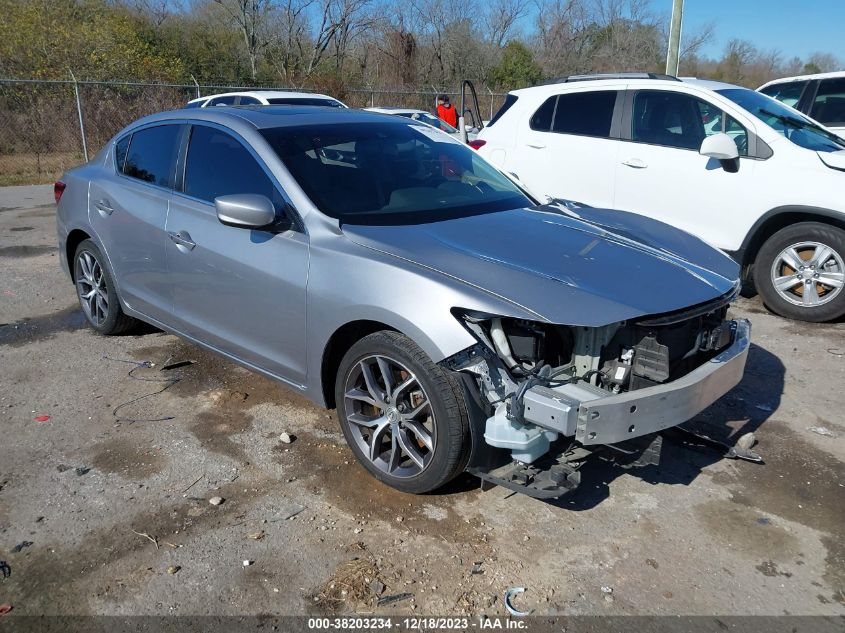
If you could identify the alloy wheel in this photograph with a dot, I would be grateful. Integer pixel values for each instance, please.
(390, 416)
(91, 288)
(808, 274)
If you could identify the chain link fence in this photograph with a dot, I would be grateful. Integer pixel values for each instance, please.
(48, 126)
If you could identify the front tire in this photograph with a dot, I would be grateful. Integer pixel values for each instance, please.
(800, 272)
(403, 416)
(96, 291)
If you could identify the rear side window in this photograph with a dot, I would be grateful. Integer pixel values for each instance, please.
(829, 106)
(541, 121)
(305, 101)
(248, 101)
(585, 113)
(194, 104)
(221, 101)
(219, 165)
(120, 149)
(152, 155)
(509, 101)
(788, 93)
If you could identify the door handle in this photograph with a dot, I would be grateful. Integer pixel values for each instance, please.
(104, 206)
(636, 163)
(182, 238)
(536, 145)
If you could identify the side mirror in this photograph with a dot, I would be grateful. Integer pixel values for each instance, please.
(719, 146)
(245, 210)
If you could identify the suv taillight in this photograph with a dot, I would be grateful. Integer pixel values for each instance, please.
(477, 143)
(58, 190)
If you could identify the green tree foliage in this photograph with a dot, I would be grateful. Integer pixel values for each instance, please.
(93, 38)
(517, 69)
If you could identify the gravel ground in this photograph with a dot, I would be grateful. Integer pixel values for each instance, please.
(112, 509)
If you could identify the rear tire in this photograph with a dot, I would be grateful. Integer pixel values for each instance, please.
(800, 272)
(97, 292)
(413, 433)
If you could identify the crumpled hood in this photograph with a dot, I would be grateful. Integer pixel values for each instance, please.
(567, 264)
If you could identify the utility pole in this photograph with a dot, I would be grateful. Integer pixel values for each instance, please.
(672, 57)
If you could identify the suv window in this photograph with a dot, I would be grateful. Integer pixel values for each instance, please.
(152, 155)
(669, 118)
(716, 121)
(829, 106)
(219, 165)
(788, 93)
(541, 121)
(248, 101)
(219, 101)
(585, 113)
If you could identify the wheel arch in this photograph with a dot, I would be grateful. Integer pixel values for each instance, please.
(338, 344)
(776, 219)
(74, 239)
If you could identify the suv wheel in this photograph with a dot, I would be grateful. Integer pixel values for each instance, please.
(800, 272)
(403, 416)
(96, 291)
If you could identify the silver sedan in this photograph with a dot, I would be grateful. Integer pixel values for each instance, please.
(380, 267)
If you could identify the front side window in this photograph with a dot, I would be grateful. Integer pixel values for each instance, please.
(671, 119)
(789, 92)
(585, 113)
(152, 155)
(784, 120)
(716, 121)
(829, 105)
(219, 165)
(391, 173)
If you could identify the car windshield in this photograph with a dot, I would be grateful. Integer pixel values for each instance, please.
(391, 173)
(432, 120)
(304, 101)
(791, 124)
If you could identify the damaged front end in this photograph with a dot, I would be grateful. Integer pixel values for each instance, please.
(552, 395)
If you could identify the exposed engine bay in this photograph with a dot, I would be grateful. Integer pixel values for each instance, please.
(548, 388)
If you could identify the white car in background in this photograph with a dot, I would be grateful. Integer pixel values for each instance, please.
(820, 96)
(743, 171)
(266, 97)
(424, 117)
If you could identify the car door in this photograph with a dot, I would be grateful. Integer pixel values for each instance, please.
(661, 174)
(128, 209)
(567, 148)
(239, 290)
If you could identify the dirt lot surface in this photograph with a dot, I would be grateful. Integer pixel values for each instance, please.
(104, 512)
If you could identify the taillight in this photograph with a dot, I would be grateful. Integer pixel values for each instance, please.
(477, 143)
(58, 190)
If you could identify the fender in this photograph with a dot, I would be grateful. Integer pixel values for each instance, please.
(778, 218)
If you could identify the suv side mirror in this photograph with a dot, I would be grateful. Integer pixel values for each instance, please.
(719, 146)
(245, 210)
(723, 148)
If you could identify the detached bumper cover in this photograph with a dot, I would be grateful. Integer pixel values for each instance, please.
(617, 418)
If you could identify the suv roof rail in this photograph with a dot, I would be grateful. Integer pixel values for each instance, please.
(571, 78)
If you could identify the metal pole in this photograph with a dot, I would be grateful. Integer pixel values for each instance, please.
(491, 103)
(197, 85)
(672, 56)
(79, 112)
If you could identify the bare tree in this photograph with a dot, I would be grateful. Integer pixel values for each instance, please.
(251, 18)
(501, 19)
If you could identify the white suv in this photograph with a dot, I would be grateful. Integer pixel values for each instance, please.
(820, 96)
(733, 166)
(265, 97)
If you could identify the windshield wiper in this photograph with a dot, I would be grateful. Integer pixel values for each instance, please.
(793, 121)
